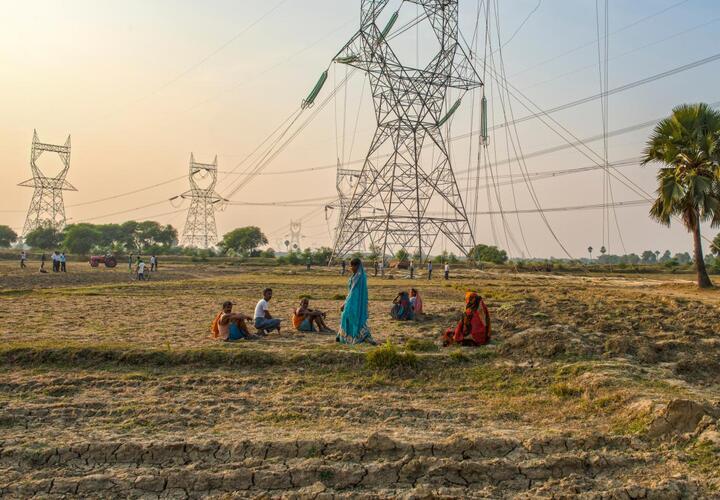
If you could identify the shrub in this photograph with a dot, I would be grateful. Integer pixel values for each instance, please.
(387, 357)
(565, 391)
(458, 356)
(420, 345)
(339, 296)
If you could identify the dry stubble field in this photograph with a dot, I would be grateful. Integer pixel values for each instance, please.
(593, 387)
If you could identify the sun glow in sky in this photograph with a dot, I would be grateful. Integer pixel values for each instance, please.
(141, 84)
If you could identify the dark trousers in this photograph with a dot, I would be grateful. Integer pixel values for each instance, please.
(56, 266)
(447, 275)
(63, 267)
(22, 264)
(429, 274)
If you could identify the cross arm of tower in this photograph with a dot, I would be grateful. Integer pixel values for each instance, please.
(52, 148)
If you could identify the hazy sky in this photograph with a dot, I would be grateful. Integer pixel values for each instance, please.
(142, 84)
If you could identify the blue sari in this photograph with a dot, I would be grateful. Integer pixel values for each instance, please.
(353, 322)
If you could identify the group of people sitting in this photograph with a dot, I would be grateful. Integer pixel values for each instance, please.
(472, 329)
(231, 326)
(407, 306)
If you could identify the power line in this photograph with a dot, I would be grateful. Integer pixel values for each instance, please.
(630, 203)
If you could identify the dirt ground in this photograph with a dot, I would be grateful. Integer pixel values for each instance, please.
(593, 387)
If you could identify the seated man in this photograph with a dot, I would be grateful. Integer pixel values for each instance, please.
(263, 319)
(229, 326)
(402, 310)
(474, 327)
(304, 317)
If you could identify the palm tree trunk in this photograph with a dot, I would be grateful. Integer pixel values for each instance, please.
(702, 275)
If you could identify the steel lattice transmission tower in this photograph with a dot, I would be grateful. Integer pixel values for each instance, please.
(389, 206)
(47, 206)
(295, 234)
(200, 228)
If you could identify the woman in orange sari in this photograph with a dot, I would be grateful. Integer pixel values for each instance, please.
(474, 327)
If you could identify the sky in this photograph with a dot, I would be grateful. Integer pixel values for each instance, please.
(141, 84)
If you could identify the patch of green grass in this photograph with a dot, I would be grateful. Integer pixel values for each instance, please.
(459, 356)
(388, 357)
(704, 457)
(282, 417)
(633, 426)
(564, 390)
(421, 345)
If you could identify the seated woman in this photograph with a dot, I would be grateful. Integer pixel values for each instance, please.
(416, 303)
(402, 309)
(304, 317)
(474, 327)
(229, 326)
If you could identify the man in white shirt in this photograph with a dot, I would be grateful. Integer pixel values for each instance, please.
(153, 263)
(429, 270)
(141, 270)
(447, 271)
(23, 258)
(56, 261)
(263, 319)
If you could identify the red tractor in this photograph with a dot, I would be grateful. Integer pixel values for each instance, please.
(108, 260)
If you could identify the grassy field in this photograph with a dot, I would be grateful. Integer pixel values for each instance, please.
(593, 386)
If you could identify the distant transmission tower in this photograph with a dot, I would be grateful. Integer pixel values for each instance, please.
(47, 206)
(389, 206)
(200, 228)
(295, 234)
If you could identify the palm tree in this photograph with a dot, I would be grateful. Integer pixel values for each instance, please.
(688, 144)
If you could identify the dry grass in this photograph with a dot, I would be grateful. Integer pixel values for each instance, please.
(98, 357)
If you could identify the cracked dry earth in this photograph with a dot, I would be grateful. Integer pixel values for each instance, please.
(594, 387)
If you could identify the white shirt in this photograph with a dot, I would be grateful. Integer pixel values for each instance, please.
(55, 257)
(141, 268)
(447, 268)
(261, 307)
(152, 260)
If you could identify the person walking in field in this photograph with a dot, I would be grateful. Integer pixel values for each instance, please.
(23, 258)
(429, 270)
(342, 264)
(63, 262)
(355, 311)
(263, 319)
(412, 269)
(56, 261)
(141, 270)
(153, 263)
(447, 271)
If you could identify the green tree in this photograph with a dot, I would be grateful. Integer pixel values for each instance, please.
(80, 238)
(7, 236)
(322, 256)
(402, 255)
(45, 237)
(244, 240)
(688, 145)
(649, 257)
(666, 256)
(715, 246)
(487, 253)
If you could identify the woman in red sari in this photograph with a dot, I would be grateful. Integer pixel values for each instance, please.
(474, 327)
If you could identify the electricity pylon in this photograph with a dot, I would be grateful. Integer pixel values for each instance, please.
(47, 206)
(200, 228)
(389, 206)
(296, 234)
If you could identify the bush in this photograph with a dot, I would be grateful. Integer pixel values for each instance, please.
(339, 296)
(419, 345)
(458, 356)
(387, 357)
(565, 391)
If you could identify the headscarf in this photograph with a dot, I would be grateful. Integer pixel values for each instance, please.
(473, 302)
(353, 323)
(418, 303)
